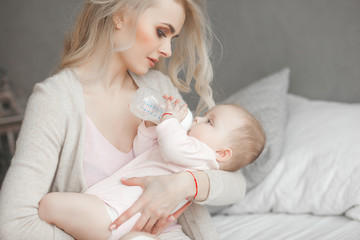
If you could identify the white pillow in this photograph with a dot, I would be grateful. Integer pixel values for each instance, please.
(319, 170)
(266, 100)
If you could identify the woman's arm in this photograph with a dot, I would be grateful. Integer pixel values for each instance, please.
(163, 193)
(145, 138)
(224, 187)
(32, 169)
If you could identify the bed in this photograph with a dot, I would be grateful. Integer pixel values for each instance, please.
(295, 65)
(306, 183)
(286, 226)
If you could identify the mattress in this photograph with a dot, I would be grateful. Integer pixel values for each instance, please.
(283, 226)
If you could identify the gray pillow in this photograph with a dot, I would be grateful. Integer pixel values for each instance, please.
(266, 100)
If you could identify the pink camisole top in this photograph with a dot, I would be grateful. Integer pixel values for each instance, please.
(101, 158)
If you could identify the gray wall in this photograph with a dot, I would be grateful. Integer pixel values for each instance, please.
(31, 37)
(319, 40)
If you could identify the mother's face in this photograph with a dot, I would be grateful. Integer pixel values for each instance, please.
(156, 28)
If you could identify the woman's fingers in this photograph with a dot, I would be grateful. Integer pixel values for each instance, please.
(158, 200)
(135, 208)
(160, 225)
(177, 214)
(152, 215)
(144, 218)
(134, 181)
(149, 225)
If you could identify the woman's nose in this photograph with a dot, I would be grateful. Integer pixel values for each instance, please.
(165, 48)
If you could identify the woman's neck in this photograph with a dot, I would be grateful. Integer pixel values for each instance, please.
(109, 74)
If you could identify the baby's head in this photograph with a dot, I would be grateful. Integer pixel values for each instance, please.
(233, 133)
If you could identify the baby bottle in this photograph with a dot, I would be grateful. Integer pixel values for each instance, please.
(149, 105)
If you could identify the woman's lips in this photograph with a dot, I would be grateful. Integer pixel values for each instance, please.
(152, 61)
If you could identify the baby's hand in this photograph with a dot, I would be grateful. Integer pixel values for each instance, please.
(174, 109)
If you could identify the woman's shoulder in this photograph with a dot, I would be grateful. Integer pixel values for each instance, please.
(64, 80)
(63, 84)
(62, 88)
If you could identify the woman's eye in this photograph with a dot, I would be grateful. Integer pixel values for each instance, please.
(160, 33)
(209, 121)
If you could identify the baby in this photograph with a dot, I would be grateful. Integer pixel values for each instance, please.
(227, 137)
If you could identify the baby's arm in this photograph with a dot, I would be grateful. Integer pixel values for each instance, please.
(145, 139)
(83, 216)
(177, 147)
(146, 135)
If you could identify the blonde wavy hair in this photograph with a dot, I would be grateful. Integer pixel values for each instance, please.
(95, 28)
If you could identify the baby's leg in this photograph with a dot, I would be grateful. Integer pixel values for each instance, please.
(83, 216)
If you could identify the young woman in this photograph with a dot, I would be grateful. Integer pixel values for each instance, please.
(78, 128)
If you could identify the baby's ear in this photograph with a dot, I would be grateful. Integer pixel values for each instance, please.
(223, 154)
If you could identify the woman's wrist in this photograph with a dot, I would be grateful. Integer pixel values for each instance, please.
(187, 182)
(203, 185)
(195, 182)
(186, 185)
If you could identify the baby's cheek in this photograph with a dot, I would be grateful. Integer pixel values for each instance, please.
(194, 132)
(190, 133)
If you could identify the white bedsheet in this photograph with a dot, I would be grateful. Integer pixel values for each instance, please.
(286, 227)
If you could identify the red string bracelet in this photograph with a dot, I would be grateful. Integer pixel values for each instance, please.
(196, 185)
(166, 114)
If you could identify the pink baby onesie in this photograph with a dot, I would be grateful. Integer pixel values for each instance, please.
(160, 150)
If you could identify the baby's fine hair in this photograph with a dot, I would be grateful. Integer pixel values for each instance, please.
(246, 142)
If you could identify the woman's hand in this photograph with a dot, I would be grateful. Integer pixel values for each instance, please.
(160, 197)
